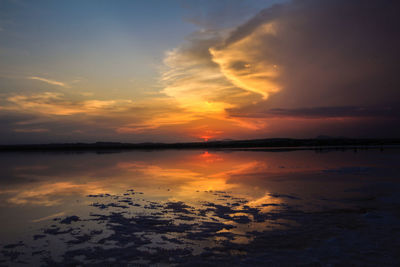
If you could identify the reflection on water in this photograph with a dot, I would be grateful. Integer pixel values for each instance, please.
(193, 206)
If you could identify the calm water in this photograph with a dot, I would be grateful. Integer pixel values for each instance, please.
(200, 207)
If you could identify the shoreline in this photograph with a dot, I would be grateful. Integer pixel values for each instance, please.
(274, 144)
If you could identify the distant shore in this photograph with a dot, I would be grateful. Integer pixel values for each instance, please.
(259, 144)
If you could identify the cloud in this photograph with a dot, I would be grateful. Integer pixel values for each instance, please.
(193, 80)
(303, 60)
(52, 103)
(35, 130)
(327, 53)
(198, 86)
(219, 15)
(52, 82)
(240, 63)
(321, 112)
(80, 119)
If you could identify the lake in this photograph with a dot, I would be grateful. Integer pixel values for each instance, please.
(201, 207)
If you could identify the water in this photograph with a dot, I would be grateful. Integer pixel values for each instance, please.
(200, 207)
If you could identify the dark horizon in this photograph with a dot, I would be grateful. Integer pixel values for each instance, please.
(323, 142)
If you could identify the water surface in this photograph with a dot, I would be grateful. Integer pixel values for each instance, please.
(200, 207)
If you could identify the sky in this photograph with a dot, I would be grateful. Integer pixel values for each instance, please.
(168, 71)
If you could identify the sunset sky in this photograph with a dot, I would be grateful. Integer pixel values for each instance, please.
(135, 71)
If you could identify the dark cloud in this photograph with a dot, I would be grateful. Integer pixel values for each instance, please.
(334, 59)
(330, 53)
(213, 15)
(321, 112)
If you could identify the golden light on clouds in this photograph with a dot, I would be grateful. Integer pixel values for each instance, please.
(48, 103)
(206, 77)
(240, 62)
(193, 83)
(52, 103)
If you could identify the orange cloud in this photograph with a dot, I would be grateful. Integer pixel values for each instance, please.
(240, 62)
(204, 87)
(52, 103)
